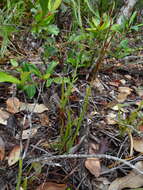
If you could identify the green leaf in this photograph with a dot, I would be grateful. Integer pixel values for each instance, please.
(124, 44)
(6, 30)
(14, 63)
(37, 167)
(25, 76)
(29, 67)
(96, 21)
(44, 6)
(52, 6)
(60, 80)
(30, 90)
(78, 37)
(116, 27)
(51, 67)
(49, 82)
(4, 77)
(46, 76)
(132, 18)
(53, 29)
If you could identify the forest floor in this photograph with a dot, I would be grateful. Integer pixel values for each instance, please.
(112, 125)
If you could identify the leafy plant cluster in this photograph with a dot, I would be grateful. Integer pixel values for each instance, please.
(75, 34)
(89, 33)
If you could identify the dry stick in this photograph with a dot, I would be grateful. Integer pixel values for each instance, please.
(70, 156)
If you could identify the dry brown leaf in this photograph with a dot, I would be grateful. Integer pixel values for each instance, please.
(132, 180)
(111, 118)
(44, 119)
(129, 77)
(123, 82)
(122, 97)
(13, 105)
(52, 186)
(140, 128)
(124, 92)
(98, 85)
(28, 132)
(14, 155)
(138, 144)
(139, 91)
(2, 149)
(3, 117)
(114, 83)
(38, 108)
(93, 164)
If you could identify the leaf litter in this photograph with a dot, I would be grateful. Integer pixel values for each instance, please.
(101, 122)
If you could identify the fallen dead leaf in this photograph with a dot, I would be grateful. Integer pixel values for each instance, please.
(2, 149)
(132, 180)
(139, 91)
(125, 90)
(93, 164)
(129, 77)
(38, 108)
(3, 117)
(123, 82)
(28, 132)
(138, 144)
(52, 186)
(14, 155)
(123, 93)
(44, 119)
(111, 118)
(98, 85)
(13, 105)
(121, 97)
(115, 83)
(141, 128)
(100, 183)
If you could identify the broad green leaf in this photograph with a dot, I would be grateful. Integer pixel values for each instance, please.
(132, 18)
(56, 4)
(25, 76)
(52, 6)
(124, 43)
(4, 77)
(60, 80)
(46, 76)
(44, 6)
(29, 67)
(6, 30)
(78, 37)
(116, 27)
(30, 90)
(53, 29)
(51, 67)
(96, 21)
(13, 62)
(106, 22)
(49, 82)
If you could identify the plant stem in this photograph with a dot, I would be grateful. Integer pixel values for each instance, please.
(19, 174)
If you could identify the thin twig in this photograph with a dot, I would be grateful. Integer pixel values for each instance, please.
(72, 156)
